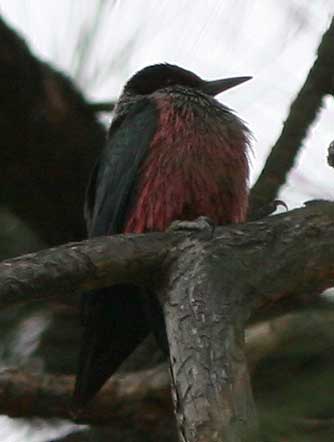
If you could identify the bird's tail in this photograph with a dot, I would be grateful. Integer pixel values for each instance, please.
(156, 320)
(115, 324)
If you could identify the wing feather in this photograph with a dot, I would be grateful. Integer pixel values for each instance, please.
(115, 318)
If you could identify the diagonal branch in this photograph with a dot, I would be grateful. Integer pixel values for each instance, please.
(303, 111)
(141, 399)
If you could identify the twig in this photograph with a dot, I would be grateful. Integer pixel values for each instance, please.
(302, 113)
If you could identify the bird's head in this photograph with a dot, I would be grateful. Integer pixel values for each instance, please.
(161, 76)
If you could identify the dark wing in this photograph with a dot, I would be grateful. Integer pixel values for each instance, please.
(115, 319)
(115, 324)
(116, 173)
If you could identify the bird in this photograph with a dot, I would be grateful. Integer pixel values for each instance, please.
(173, 152)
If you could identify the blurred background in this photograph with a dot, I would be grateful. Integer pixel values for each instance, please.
(98, 45)
(101, 43)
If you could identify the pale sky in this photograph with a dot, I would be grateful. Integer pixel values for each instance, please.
(274, 41)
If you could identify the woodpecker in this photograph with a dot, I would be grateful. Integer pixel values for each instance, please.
(173, 153)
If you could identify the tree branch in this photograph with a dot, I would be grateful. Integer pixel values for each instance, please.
(141, 399)
(297, 249)
(310, 331)
(212, 393)
(208, 287)
(78, 267)
(302, 113)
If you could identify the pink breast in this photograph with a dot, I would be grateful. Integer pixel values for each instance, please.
(192, 169)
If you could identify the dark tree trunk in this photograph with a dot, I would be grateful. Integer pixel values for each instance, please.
(50, 138)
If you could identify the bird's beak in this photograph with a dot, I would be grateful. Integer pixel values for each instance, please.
(215, 87)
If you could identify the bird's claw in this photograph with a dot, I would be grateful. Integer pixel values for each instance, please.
(277, 203)
(267, 210)
(202, 224)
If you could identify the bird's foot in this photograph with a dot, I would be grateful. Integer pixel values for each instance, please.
(276, 204)
(267, 210)
(203, 225)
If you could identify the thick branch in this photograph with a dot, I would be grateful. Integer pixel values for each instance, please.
(139, 409)
(303, 111)
(281, 256)
(211, 285)
(77, 267)
(141, 399)
(310, 331)
(212, 394)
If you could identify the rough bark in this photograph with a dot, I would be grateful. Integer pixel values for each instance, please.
(209, 286)
(302, 113)
(205, 326)
(297, 248)
(75, 267)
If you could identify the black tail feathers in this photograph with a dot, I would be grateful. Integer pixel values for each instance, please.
(115, 324)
